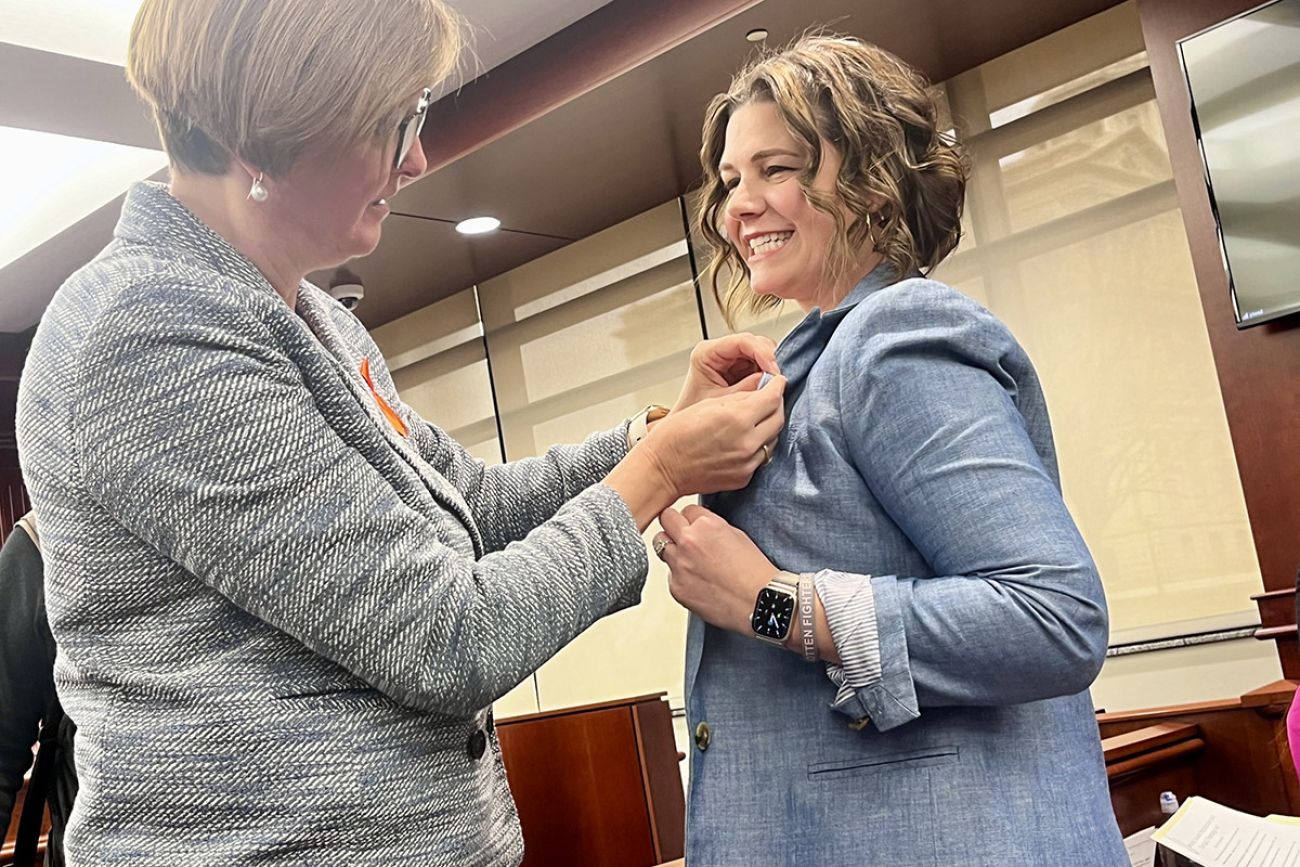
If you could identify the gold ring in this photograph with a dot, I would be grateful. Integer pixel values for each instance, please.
(767, 455)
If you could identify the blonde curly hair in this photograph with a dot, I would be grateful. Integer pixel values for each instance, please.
(876, 111)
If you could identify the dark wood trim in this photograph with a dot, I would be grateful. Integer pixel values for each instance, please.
(665, 799)
(1275, 694)
(583, 708)
(1288, 652)
(1272, 633)
(1258, 367)
(596, 49)
(1242, 759)
(1277, 610)
(11, 833)
(1147, 761)
(7, 851)
(1174, 711)
(1143, 763)
(651, 813)
(1125, 746)
(14, 502)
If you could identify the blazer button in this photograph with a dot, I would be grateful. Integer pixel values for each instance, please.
(703, 734)
(477, 745)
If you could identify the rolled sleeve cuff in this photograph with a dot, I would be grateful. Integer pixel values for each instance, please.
(850, 606)
(873, 681)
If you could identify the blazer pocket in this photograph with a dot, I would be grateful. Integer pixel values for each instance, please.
(360, 696)
(876, 764)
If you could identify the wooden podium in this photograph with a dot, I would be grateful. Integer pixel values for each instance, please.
(598, 785)
(7, 850)
(1234, 752)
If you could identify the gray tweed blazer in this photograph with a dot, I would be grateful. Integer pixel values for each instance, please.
(282, 612)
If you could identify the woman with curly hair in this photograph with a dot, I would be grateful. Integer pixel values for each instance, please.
(928, 618)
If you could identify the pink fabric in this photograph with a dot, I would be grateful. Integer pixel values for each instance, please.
(1293, 730)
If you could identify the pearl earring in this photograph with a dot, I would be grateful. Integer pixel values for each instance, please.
(258, 192)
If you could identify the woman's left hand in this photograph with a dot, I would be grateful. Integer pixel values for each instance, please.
(717, 570)
(727, 364)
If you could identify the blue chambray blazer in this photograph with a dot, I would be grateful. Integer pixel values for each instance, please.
(283, 612)
(917, 451)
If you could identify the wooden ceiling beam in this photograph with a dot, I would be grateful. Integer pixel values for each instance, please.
(594, 50)
(71, 96)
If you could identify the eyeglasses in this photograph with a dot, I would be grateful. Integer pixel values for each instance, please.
(408, 131)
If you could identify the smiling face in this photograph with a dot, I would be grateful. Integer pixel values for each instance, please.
(784, 240)
(821, 161)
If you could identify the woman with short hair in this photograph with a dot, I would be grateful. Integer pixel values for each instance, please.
(284, 602)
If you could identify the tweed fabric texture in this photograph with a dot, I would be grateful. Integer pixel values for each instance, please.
(280, 621)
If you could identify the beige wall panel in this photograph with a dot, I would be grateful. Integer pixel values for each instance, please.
(580, 339)
(1072, 238)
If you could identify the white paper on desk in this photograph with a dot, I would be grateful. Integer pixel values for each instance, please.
(1141, 848)
(1215, 836)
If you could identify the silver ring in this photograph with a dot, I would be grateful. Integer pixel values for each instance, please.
(660, 543)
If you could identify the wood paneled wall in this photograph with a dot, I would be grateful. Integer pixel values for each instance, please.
(13, 500)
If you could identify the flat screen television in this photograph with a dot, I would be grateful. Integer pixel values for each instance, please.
(1244, 78)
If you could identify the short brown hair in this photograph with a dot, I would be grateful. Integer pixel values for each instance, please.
(262, 79)
(876, 111)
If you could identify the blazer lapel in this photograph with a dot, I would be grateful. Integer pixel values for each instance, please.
(797, 354)
(355, 370)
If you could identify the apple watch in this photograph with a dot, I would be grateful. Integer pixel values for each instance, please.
(774, 609)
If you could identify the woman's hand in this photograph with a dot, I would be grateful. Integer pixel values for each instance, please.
(717, 444)
(717, 570)
(725, 366)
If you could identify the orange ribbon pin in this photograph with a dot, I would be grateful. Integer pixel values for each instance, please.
(389, 413)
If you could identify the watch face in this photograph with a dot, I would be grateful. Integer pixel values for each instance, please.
(773, 613)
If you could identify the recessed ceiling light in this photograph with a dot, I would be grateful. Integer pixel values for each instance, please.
(52, 181)
(758, 34)
(478, 225)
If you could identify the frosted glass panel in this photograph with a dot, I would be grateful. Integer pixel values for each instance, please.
(1115, 327)
(1082, 253)
(579, 340)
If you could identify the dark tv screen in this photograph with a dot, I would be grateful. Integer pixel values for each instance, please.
(1244, 77)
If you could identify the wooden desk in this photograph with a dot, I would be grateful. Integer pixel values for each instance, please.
(7, 850)
(1143, 763)
(1234, 752)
